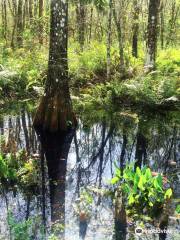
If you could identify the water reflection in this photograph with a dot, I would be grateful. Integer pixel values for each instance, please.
(78, 160)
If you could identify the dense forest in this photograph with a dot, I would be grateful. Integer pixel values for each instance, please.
(89, 119)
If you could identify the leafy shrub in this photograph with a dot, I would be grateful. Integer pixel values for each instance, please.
(19, 170)
(168, 61)
(25, 229)
(145, 192)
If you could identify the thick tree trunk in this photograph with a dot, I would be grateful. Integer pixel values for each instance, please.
(55, 110)
(152, 34)
(135, 29)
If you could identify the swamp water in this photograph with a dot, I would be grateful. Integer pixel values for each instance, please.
(152, 139)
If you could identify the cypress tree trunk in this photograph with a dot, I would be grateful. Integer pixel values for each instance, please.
(152, 34)
(55, 110)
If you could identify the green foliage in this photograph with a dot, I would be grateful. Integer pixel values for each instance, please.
(25, 229)
(168, 61)
(145, 192)
(151, 91)
(19, 170)
(178, 209)
(87, 65)
(19, 230)
(83, 205)
(26, 71)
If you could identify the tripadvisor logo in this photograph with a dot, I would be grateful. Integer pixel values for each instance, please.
(138, 231)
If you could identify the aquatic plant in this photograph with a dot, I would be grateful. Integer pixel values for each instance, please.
(145, 191)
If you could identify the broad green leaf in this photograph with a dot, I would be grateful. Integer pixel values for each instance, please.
(131, 199)
(148, 174)
(141, 183)
(138, 171)
(158, 183)
(150, 204)
(118, 172)
(114, 180)
(168, 193)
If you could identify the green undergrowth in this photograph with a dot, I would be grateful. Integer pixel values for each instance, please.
(23, 73)
(152, 90)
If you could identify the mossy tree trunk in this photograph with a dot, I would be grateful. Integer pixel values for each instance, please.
(55, 110)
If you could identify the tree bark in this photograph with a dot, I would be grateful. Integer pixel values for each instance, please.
(20, 24)
(109, 41)
(81, 18)
(135, 29)
(117, 21)
(4, 20)
(152, 33)
(31, 11)
(55, 110)
(41, 10)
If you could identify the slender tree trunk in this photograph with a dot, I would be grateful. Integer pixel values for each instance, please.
(25, 129)
(4, 19)
(109, 41)
(31, 11)
(20, 24)
(35, 8)
(120, 40)
(41, 10)
(123, 151)
(81, 18)
(162, 25)
(90, 25)
(152, 33)
(141, 146)
(135, 29)
(13, 9)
